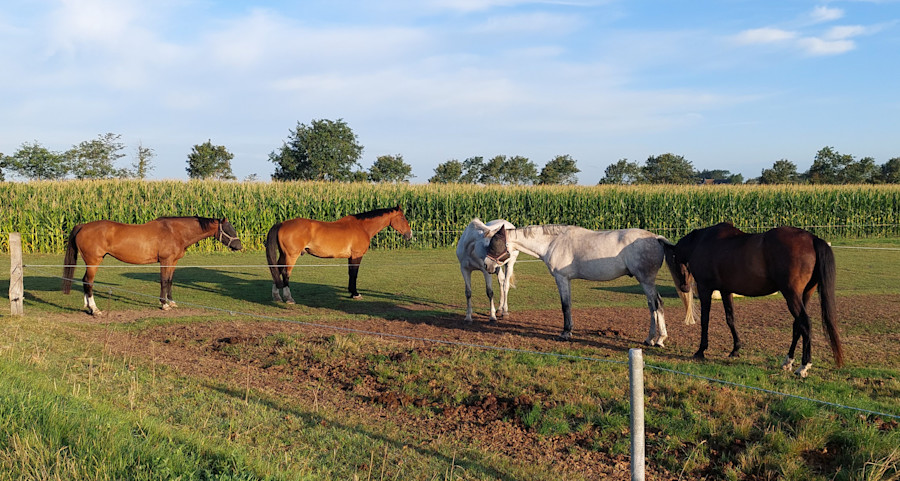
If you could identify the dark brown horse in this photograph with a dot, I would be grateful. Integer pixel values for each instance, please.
(785, 259)
(163, 240)
(347, 237)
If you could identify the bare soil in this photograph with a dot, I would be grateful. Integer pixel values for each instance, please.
(201, 350)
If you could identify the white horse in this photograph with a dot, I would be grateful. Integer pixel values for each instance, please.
(471, 250)
(572, 252)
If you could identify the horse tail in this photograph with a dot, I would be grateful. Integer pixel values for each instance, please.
(825, 271)
(687, 298)
(70, 260)
(273, 249)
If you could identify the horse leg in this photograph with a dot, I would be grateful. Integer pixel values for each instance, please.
(504, 278)
(354, 271)
(705, 295)
(87, 283)
(728, 304)
(489, 290)
(467, 279)
(565, 297)
(657, 333)
(166, 272)
(801, 328)
(288, 263)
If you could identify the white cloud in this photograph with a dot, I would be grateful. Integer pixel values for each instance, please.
(542, 22)
(823, 14)
(846, 31)
(818, 46)
(764, 35)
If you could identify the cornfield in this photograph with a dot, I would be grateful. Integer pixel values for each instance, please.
(45, 212)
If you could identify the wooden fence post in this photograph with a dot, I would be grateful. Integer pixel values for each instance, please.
(16, 281)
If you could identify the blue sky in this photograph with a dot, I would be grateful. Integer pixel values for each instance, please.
(730, 84)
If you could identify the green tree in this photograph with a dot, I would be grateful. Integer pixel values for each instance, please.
(208, 161)
(668, 169)
(890, 171)
(827, 166)
(560, 170)
(141, 166)
(390, 168)
(34, 161)
(863, 171)
(96, 159)
(782, 172)
(472, 169)
(448, 172)
(4, 163)
(324, 150)
(622, 172)
(492, 172)
(518, 170)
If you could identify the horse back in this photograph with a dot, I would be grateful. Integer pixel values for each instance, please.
(340, 238)
(131, 243)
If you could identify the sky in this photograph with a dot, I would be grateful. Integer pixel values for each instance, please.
(728, 84)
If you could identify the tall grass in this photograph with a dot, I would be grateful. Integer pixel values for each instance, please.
(44, 212)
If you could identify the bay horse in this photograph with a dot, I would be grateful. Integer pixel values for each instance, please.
(163, 240)
(786, 259)
(348, 237)
(572, 252)
(471, 251)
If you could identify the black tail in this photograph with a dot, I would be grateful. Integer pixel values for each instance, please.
(825, 271)
(70, 260)
(273, 249)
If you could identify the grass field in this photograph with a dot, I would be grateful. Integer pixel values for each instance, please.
(233, 386)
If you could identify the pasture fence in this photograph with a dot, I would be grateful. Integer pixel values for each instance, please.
(635, 364)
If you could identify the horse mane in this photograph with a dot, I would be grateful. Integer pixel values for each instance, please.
(203, 221)
(375, 213)
(548, 229)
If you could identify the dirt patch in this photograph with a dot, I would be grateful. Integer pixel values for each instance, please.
(251, 351)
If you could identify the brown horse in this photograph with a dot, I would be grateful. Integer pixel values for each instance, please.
(786, 259)
(163, 240)
(347, 237)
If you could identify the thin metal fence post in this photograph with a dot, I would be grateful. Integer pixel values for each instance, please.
(636, 374)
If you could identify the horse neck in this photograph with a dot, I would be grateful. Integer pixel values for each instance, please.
(535, 245)
(374, 225)
(196, 233)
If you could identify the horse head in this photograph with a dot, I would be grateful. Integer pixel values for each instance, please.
(401, 225)
(497, 251)
(228, 236)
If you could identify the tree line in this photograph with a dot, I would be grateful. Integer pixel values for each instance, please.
(328, 150)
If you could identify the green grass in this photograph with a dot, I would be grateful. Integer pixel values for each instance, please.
(71, 410)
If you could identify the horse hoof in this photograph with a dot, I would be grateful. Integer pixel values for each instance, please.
(289, 301)
(165, 307)
(356, 296)
(788, 364)
(734, 354)
(804, 370)
(97, 313)
(699, 356)
(493, 322)
(565, 336)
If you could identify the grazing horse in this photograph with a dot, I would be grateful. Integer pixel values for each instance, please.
(786, 259)
(163, 240)
(471, 251)
(572, 252)
(347, 237)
